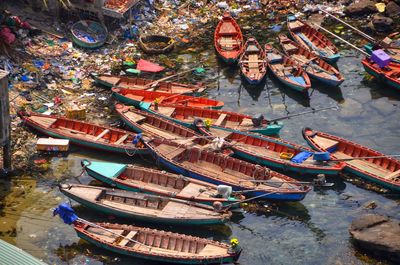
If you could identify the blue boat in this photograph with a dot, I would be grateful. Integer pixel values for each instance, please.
(253, 181)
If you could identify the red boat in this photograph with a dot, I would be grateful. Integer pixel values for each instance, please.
(143, 98)
(85, 134)
(228, 39)
(252, 62)
(360, 160)
(147, 84)
(389, 75)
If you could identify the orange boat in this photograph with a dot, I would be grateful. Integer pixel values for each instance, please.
(143, 98)
(389, 75)
(228, 39)
(148, 84)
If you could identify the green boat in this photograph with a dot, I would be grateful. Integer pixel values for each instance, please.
(147, 180)
(144, 207)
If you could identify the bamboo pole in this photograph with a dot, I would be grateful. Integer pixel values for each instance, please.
(339, 38)
(302, 113)
(350, 26)
(363, 157)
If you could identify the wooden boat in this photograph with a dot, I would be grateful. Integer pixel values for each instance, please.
(156, 126)
(311, 39)
(316, 68)
(287, 70)
(384, 171)
(85, 134)
(88, 34)
(228, 39)
(156, 44)
(156, 245)
(279, 154)
(389, 75)
(252, 62)
(253, 180)
(138, 97)
(143, 84)
(147, 180)
(225, 120)
(144, 207)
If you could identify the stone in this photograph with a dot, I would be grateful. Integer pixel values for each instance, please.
(381, 23)
(362, 7)
(392, 9)
(377, 235)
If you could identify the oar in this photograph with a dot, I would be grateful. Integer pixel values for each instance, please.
(363, 157)
(326, 184)
(302, 113)
(155, 83)
(249, 199)
(339, 38)
(110, 231)
(350, 26)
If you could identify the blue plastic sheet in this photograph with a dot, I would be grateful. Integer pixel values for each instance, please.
(66, 213)
(301, 157)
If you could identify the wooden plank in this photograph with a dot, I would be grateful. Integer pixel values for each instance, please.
(44, 121)
(394, 175)
(166, 111)
(122, 139)
(170, 151)
(364, 165)
(101, 134)
(192, 189)
(210, 250)
(126, 240)
(325, 143)
(221, 119)
(134, 116)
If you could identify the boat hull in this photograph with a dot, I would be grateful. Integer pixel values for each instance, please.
(298, 88)
(326, 81)
(152, 257)
(381, 76)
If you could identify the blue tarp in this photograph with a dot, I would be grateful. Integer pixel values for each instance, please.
(301, 157)
(106, 169)
(298, 79)
(66, 213)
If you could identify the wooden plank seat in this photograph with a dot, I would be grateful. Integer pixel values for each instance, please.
(394, 175)
(191, 189)
(135, 97)
(246, 122)
(126, 240)
(105, 235)
(134, 116)
(325, 143)
(101, 135)
(167, 152)
(221, 119)
(253, 61)
(122, 139)
(45, 121)
(166, 111)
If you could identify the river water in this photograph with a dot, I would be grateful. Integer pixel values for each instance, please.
(313, 231)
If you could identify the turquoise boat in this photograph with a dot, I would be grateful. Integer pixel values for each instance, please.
(147, 180)
(226, 121)
(136, 97)
(382, 170)
(89, 34)
(144, 207)
(86, 134)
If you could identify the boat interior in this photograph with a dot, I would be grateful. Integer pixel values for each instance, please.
(229, 36)
(78, 129)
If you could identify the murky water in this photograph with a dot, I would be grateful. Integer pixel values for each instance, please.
(313, 231)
